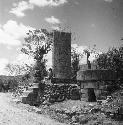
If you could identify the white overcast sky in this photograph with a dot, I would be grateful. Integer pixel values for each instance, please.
(92, 22)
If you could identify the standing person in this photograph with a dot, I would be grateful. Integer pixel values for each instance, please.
(50, 74)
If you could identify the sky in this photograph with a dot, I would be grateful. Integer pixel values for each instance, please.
(91, 22)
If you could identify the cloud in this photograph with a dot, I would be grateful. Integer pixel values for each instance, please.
(23, 59)
(52, 20)
(8, 39)
(20, 61)
(43, 3)
(3, 63)
(55, 23)
(108, 1)
(93, 25)
(76, 2)
(80, 49)
(11, 32)
(55, 28)
(9, 47)
(20, 8)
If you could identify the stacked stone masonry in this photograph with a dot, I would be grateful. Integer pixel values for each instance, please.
(62, 55)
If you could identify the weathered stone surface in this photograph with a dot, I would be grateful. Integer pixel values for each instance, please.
(62, 55)
(95, 79)
(96, 75)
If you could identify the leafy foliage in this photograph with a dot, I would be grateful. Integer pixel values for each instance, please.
(75, 62)
(15, 69)
(37, 41)
(113, 59)
(37, 44)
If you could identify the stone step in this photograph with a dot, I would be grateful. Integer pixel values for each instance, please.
(23, 96)
(28, 99)
(30, 89)
(24, 100)
(35, 84)
(33, 88)
(31, 99)
(30, 96)
(25, 93)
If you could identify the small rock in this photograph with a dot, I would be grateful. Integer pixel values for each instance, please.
(107, 123)
(95, 110)
(65, 116)
(91, 104)
(66, 111)
(73, 118)
(74, 108)
(84, 121)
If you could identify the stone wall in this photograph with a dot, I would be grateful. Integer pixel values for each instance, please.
(94, 79)
(96, 75)
(62, 55)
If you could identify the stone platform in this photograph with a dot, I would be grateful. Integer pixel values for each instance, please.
(93, 81)
(30, 95)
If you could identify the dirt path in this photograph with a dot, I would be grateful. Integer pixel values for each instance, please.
(12, 115)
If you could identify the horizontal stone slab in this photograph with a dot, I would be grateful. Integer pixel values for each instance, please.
(97, 75)
(57, 80)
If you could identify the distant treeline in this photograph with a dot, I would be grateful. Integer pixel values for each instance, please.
(12, 82)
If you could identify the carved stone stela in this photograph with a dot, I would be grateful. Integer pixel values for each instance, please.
(62, 55)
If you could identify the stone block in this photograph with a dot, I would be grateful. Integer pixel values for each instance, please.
(62, 55)
(102, 74)
(90, 85)
(24, 100)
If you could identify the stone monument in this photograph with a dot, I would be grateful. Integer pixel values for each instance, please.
(62, 55)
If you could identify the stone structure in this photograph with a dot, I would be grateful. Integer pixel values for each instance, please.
(61, 70)
(93, 81)
(62, 55)
(97, 74)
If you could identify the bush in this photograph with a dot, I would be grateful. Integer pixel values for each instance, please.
(113, 59)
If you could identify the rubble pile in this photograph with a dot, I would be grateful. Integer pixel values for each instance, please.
(76, 112)
(109, 112)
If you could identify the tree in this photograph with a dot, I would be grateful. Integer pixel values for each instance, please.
(113, 59)
(75, 56)
(37, 40)
(90, 51)
(15, 69)
(88, 55)
(37, 44)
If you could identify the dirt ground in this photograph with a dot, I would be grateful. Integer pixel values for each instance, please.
(13, 114)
